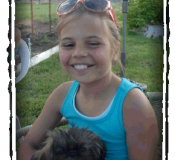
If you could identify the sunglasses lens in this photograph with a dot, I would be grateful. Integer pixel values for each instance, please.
(96, 5)
(66, 6)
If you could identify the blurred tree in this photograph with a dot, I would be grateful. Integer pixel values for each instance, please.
(143, 12)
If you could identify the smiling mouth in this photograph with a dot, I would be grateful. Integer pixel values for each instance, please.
(81, 67)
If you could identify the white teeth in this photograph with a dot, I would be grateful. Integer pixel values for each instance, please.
(80, 66)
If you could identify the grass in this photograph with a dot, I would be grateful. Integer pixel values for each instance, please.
(45, 39)
(40, 12)
(144, 61)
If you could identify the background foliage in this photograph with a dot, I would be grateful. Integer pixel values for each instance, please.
(143, 12)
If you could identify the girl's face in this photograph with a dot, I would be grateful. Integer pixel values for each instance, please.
(85, 51)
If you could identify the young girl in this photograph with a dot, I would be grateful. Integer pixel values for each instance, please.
(112, 107)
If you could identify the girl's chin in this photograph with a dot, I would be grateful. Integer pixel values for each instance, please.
(86, 80)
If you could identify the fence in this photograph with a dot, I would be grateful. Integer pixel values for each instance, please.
(47, 1)
(38, 1)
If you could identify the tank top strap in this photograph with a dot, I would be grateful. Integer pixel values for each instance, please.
(126, 85)
(70, 96)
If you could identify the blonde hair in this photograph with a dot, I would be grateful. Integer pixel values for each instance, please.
(112, 31)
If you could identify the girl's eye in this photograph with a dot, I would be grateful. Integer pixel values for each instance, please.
(93, 44)
(71, 45)
(68, 45)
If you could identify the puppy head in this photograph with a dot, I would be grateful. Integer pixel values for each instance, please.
(71, 144)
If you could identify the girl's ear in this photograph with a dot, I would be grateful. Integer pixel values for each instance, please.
(115, 57)
(116, 54)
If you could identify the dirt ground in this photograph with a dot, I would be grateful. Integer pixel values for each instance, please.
(43, 39)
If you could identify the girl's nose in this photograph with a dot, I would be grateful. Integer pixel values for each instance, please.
(79, 53)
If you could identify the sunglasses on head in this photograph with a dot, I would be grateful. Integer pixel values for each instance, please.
(96, 6)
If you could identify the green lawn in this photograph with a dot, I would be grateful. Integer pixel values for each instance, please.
(40, 12)
(144, 61)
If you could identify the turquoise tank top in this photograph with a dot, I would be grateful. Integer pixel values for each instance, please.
(109, 125)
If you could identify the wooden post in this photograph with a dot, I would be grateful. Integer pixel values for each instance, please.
(50, 21)
(31, 4)
(123, 54)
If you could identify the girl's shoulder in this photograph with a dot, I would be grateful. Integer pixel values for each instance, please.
(63, 88)
(136, 100)
(59, 94)
(137, 109)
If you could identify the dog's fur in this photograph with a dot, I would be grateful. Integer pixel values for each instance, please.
(71, 144)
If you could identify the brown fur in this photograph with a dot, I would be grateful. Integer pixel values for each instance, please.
(71, 144)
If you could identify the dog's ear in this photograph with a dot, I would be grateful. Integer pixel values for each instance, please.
(44, 153)
(39, 155)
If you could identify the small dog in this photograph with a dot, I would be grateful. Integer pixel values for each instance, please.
(71, 144)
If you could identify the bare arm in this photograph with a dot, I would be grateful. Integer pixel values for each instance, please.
(141, 126)
(47, 120)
